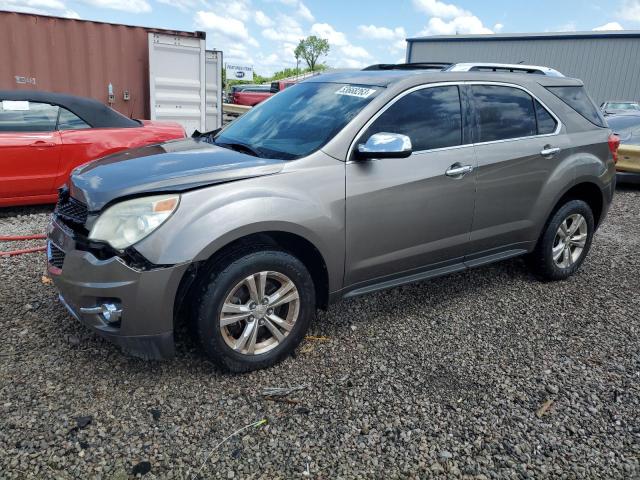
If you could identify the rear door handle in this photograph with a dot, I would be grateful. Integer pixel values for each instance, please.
(41, 143)
(457, 170)
(549, 151)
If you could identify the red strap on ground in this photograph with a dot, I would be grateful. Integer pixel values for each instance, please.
(20, 252)
(17, 238)
(20, 238)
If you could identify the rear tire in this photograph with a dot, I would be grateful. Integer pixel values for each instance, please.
(564, 243)
(254, 309)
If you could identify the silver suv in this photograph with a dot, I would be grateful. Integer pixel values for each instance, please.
(342, 185)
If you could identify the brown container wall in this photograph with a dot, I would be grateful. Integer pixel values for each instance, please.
(78, 57)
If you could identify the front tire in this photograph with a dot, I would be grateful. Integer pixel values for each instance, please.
(564, 243)
(254, 309)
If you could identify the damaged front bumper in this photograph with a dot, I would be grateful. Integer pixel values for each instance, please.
(130, 307)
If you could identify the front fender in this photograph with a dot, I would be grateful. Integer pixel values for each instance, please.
(308, 202)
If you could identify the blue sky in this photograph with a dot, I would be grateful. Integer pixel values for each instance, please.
(264, 32)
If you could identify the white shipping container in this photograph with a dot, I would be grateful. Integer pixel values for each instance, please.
(214, 90)
(185, 82)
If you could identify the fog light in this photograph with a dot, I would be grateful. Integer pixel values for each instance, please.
(109, 312)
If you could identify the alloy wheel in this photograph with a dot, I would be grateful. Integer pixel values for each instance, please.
(570, 240)
(259, 312)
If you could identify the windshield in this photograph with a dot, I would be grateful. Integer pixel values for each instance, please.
(623, 106)
(297, 121)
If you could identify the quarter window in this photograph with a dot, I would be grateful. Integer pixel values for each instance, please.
(503, 113)
(24, 116)
(70, 121)
(546, 123)
(430, 117)
(576, 97)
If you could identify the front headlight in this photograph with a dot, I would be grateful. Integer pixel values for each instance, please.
(128, 222)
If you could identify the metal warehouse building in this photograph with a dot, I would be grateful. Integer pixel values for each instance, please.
(607, 62)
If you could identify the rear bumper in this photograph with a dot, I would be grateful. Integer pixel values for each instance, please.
(628, 177)
(144, 299)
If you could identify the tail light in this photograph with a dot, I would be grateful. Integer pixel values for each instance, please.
(614, 143)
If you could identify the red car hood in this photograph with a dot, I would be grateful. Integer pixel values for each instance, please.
(170, 128)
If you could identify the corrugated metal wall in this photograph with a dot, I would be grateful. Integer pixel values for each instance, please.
(77, 57)
(610, 67)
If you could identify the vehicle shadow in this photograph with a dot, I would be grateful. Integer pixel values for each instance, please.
(432, 293)
(7, 212)
(336, 321)
(627, 187)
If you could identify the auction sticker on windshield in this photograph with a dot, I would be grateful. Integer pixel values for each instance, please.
(360, 92)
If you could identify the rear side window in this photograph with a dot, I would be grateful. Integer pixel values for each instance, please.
(577, 98)
(546, 123)
(23, 116)
(503, 113)
(430, 117)
(70, 121)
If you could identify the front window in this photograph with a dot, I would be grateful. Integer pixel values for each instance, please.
(297, 121)
(430, 117)
(25, 116)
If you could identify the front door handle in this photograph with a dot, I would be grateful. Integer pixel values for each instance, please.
(41, 143)
(549, 151)
(457, 170)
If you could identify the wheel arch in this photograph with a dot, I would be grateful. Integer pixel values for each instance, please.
(587, 191)
(294, 243)
(590, 193)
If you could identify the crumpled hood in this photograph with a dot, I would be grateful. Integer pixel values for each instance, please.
(167, 167)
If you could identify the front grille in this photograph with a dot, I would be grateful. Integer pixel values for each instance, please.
(70, 209)
(55, 255)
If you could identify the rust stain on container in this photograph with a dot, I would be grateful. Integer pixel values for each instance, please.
(78, 57)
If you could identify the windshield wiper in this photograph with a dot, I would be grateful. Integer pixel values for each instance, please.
(240, 147)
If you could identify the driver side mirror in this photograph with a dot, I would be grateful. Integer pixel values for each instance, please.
(385, 145)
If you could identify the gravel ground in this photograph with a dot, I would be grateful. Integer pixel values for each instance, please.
(483, 374)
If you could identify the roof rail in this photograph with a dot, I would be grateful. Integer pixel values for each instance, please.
(504, 68)
(468, 67)
(409, 66)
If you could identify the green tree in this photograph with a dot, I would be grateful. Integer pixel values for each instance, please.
(310, 49)
(292, 72)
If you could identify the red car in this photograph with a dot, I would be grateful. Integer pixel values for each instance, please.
(252, 96)
(43, 136)
(280, 85)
